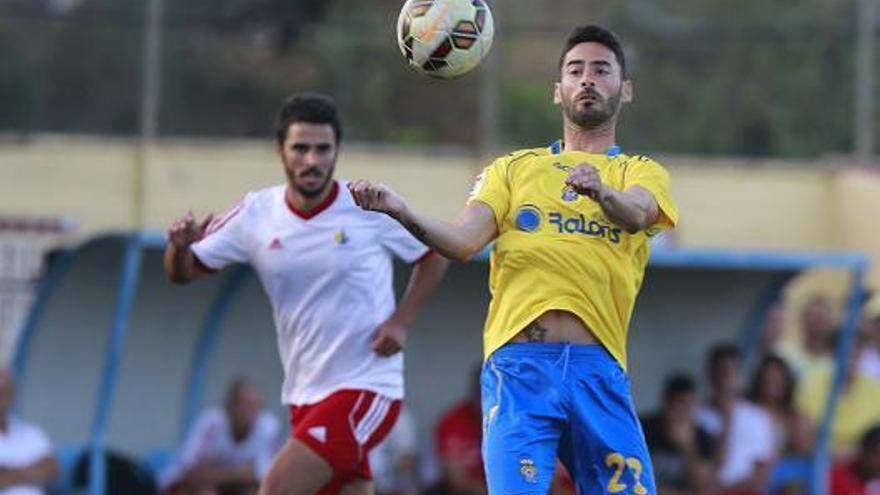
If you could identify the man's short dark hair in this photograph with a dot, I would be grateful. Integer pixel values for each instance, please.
(594, 34)
(311, 108)
(678, 385)
(721, 352)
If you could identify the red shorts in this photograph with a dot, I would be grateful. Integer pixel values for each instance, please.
(343, 428)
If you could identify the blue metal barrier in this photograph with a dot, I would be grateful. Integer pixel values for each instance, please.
(786, 264)
(54, 273)
(201, 357)
(128, 282)
(821, 457)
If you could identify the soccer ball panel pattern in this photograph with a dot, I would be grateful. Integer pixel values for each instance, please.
(444, 38)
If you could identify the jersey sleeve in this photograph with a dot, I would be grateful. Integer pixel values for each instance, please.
(647, 173)
(492, 188)
(399, 241)
(224, 242)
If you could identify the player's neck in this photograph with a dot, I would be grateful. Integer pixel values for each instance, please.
(305, 203)
(597, 140)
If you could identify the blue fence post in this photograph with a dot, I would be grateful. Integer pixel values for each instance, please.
(203, 351)
(128, 282)
(55, 270)
(821, 455)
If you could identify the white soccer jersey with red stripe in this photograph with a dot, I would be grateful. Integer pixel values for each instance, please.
(328, 275)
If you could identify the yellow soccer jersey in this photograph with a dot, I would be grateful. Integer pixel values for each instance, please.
(556, 250)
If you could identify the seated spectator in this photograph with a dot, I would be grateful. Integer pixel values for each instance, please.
(27, 463)
(394, 462)
(817, 329)
(772, 389)
(228, 450)
(681, 451)
(858, 407)
(861, 475)
(772, 328)
(457, 438)
(742, 431)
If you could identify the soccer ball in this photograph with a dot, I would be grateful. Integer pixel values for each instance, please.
(444, 38)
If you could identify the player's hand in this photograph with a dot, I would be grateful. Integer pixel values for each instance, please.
(185, 231)
(390, 338)
(585, 180)
(376, 197)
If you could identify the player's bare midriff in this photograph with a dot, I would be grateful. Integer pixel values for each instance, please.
(557, 326)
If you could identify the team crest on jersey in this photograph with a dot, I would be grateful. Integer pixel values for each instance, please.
(529, 218)
(340, 237)
(528, 470)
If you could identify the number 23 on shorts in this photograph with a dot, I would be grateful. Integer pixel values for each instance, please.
(619, 463)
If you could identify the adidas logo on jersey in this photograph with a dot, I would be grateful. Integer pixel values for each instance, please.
(275, 245)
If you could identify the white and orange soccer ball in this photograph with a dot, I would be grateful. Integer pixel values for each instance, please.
(445, 38)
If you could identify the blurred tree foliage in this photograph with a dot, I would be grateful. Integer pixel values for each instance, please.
(748, 77)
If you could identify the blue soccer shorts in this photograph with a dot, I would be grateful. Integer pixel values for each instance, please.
(547, 400)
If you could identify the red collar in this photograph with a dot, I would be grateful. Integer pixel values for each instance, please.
(306, 215)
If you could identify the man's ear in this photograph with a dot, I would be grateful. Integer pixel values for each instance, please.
(626, 92)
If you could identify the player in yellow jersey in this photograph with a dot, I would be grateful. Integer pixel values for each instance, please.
(571, 225)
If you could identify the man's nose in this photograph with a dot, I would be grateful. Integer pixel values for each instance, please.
(313, 157)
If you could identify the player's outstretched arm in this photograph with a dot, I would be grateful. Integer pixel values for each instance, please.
(459, 240)
(180, 263)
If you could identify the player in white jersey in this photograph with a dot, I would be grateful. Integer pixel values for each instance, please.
(326, 266)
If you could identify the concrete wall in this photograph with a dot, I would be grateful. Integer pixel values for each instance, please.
(725, 202)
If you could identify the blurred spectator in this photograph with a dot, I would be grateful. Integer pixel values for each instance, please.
(869, 362)
(457, 438)
(858, 408)
(27, 463)
(817, 327)
(771, 331)
(742, 430)
(860, 476)
(228, 450)
(772, 389)
(394, 462)
(681, 451)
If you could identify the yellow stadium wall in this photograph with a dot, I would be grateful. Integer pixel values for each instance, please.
(725, 202)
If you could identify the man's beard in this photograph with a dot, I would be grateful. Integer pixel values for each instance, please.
(595, 114)
(309, 192)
